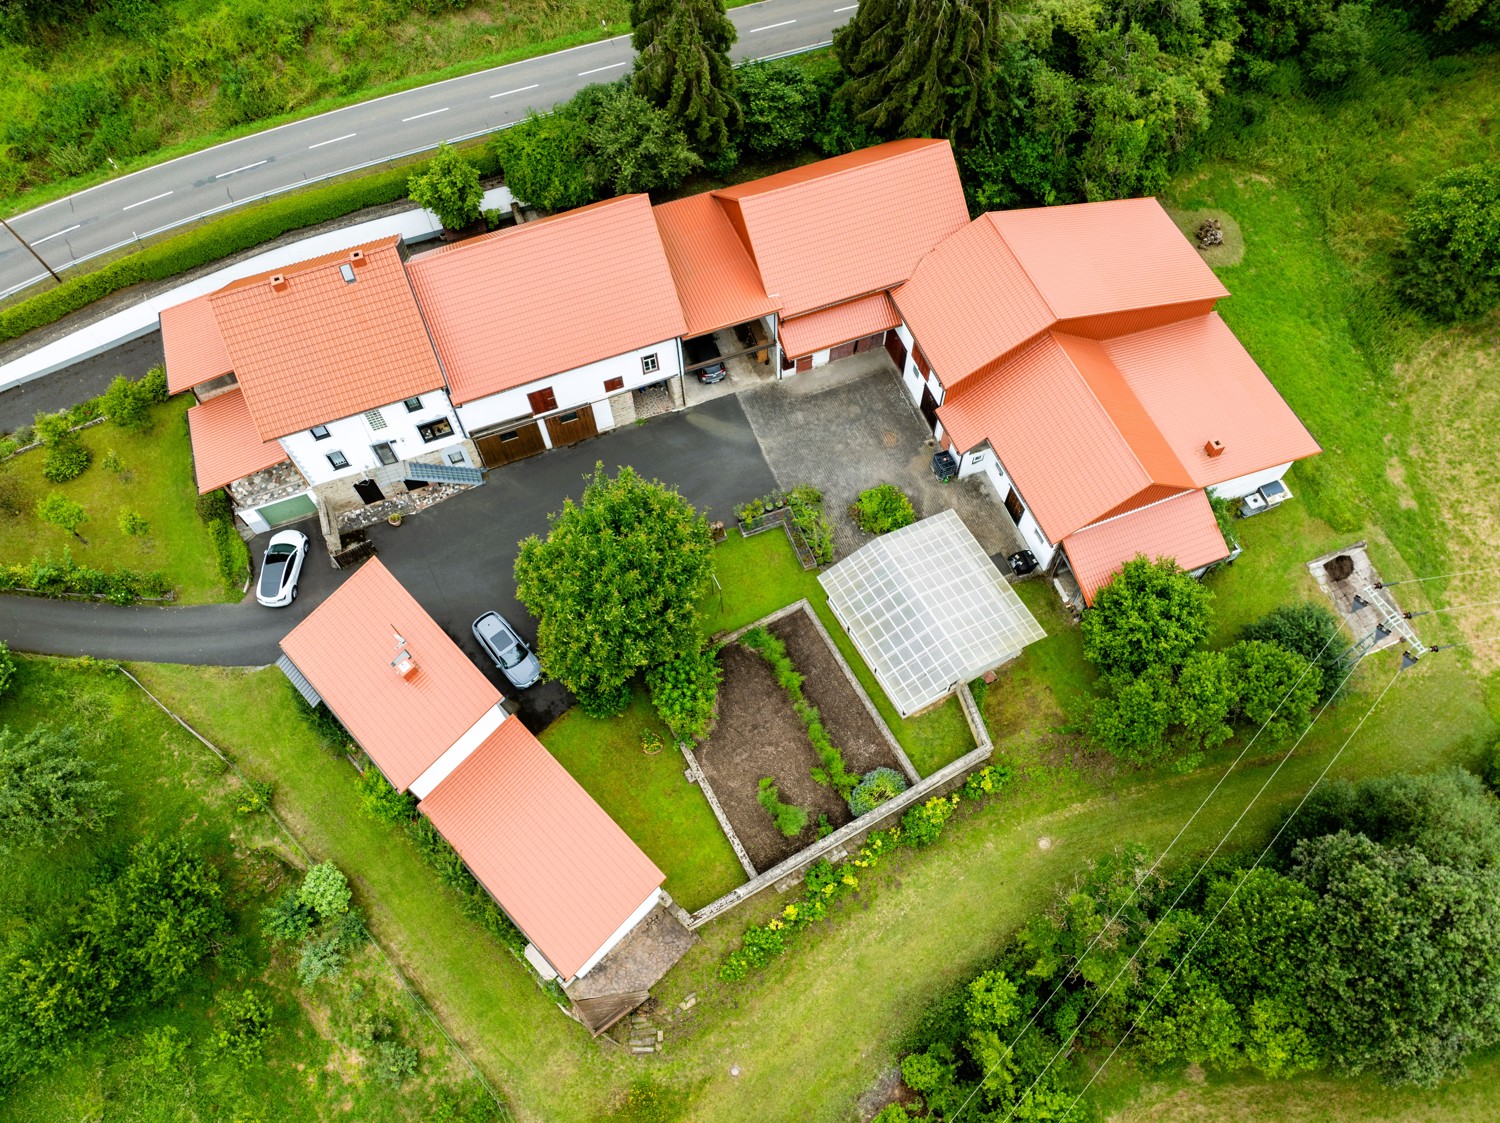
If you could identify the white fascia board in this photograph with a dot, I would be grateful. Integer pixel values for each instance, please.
(458, 752)
(621, 932)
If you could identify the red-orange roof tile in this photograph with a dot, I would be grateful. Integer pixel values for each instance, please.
(545, 297)
(558, 865)
(970, 303)
(1182, 527)
(225, 443)
(1092, 258)
(1056, 440)
(855, 224)
(716, 281)
(193, 347)
(319, 348)
(1198, 384)
(842, 323)
(345, 648)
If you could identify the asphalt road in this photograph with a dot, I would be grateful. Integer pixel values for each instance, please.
(216, 179)
(78, 383)
(456, 558)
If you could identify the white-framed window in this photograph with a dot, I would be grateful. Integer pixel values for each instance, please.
(649, 364)
(338, 459)
(319, 432)
(375, 418)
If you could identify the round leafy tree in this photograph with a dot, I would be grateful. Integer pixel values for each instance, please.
(615, 586)
(1451, 263)
(883, 508)
(449, 188)
(1313, 632)
(1151, 615)
(880, 785)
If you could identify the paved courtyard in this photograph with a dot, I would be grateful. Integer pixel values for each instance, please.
(848, 426)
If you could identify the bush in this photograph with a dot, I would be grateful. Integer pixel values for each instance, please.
(212, 241)
(152, 386)
(881, 509)
(1152, 614)
(394, 1062)
(126, 405)
(66, 458)
(782, 105)
(448, 186)
(684, 691)
(62, 512)
(215, 506)
(789, 818)
(1450, 264)
(320, 959)
(54, 578)
(243, 1021)
(381, 801)
(1313, 632)
(7, 668)
(48, 791)
(880, 785)
(325, 890)
(288, 919)
(922, 825)
(231, 555)
(133, 524)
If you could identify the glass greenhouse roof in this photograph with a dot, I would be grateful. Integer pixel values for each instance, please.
(928, 610)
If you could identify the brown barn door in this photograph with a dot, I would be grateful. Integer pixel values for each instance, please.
(510, 445)
(869, 343)
(896, 350)
(929, 407)
(571, 427)
(842, 351)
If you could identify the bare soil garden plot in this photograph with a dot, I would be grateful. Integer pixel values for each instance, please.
(759, 734)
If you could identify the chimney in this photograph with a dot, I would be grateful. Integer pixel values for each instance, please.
(278, 283)
(357, 257)
(1214, 449)
(403, 664)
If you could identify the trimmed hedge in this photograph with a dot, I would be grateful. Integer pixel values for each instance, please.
(230, 552)
(214, 240)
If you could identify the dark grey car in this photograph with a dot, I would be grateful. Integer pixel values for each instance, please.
(507, 650)
(704, 350)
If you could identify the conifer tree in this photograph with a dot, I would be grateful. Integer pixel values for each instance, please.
(683, 66)
(920, 67)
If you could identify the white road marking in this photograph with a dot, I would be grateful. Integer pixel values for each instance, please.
(59, 234)
(335, 140)
(429, 113)
(246, 168)
(773, 26)
(520, 90)
(601, 69)
(846, 8)
(143, 202)
(794, 51)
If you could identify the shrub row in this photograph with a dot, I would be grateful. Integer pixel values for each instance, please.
(826, 883)
(788, 817)
(231, 555)
(60, 578)
(214, 240)
(773, 651)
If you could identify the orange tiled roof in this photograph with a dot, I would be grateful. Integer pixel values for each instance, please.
(842, 323)
(225, 443)
(542, 298)
(852, 225)
(345, 647)
(716, 281)
(1182, 527)
(194, 349)
(318, 348)
(558, 865)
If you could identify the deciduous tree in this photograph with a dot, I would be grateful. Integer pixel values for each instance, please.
(62, 512)
(449, 188)
(48, 790)
(615, 585)
(1313, 632)
(1451, 261)
(1275, 689)
(1151, 614)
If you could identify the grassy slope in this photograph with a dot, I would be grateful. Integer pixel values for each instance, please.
(157, 483)
(170, 783)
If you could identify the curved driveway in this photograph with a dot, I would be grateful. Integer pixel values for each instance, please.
(216, 179)
(456, 558)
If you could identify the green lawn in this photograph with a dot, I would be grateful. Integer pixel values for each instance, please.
(649, 797)
(758, 575)
(155, 480)
(170, 784)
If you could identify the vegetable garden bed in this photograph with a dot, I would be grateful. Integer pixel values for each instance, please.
(759, 734)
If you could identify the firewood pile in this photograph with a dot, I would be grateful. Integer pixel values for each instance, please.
(1210, 233)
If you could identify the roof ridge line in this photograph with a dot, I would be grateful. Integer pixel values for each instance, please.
(1138, 510)
(716, 192)
(296, 268)
(1047, 304)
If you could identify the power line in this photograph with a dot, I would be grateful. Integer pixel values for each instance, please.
(1010, 1048)
(1232, 894)
(1437, 577)
(1077, 1029)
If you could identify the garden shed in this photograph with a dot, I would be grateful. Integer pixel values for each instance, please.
(928, 610)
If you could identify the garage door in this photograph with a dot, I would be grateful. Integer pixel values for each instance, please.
(842, 351)
(288, 510)
(572, 427)
(869, 343)
(509, 445)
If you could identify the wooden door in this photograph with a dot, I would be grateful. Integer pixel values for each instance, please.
(542, 400)
(1014, 508)
(804, 363)
(929, 407)
(869, 343)
(842, 351)
(510, 445)
(896, 350)
(571, 427)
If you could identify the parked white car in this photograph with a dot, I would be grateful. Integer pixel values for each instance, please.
(281, 569)
(507, 650)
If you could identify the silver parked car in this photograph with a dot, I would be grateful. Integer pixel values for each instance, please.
(281, 569)
(507, 650)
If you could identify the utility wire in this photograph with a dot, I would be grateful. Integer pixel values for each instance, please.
(1437, 577)
(1176, 838)
(1232, 894)
(1104, 993)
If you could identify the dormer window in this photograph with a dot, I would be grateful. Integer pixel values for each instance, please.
(319, 432)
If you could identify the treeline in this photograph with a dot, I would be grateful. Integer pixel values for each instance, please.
(1367, 941)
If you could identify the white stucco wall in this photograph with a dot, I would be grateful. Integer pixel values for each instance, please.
(1241, 486)
(580, 386)
(356, 437)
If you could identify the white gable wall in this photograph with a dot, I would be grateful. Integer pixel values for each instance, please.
(356, 438)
